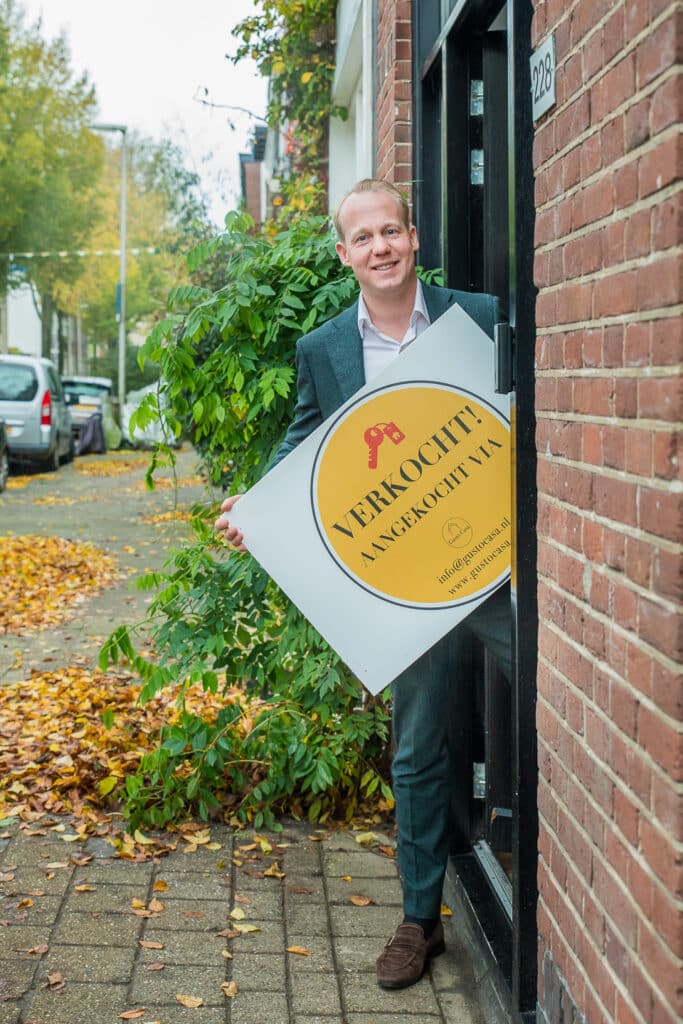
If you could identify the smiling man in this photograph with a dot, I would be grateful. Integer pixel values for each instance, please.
(378, 241)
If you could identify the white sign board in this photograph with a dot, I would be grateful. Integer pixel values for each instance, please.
(390, 523)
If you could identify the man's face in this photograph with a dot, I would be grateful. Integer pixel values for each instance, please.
(377, 245)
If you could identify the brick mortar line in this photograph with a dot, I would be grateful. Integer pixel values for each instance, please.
(636, 857)
(641, 914)
(593, 129)
(654, 653)
(632, 532)
(630, 47)
(611, 574)
(639, 316)
(333, 937)
(622, 475)
(636, 854)
(663, 776)
(654, 256)
(618, 983)
(573, 956)
(41, 960)
(670, 191)
(568, 12)
(624, 373)
(595, 850)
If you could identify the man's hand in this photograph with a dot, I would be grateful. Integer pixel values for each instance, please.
(222, 525)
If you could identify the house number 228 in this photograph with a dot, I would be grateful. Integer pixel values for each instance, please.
(543, 78)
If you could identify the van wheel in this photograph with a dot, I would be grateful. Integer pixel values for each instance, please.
(51, 464)
(4, 470)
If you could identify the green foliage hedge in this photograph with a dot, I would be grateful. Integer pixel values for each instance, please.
(315, 745)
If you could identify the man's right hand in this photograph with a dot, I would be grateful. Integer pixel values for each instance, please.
(222, 525)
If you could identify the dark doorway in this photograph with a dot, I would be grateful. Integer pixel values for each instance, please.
(474, 210)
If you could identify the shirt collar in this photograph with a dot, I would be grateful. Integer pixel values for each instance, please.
(419, 310)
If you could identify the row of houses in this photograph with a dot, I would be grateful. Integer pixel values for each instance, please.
(540, 143)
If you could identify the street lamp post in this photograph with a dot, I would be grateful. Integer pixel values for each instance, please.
(122, 263)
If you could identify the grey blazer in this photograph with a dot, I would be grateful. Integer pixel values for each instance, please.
(329, 360)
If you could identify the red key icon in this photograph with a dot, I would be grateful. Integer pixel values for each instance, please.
(373, 439)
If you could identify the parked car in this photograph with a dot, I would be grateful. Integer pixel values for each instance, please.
(33, 406)
(86, 396)
(153, 433)
(4, 456)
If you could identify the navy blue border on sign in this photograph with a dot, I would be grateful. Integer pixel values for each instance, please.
(321, 533)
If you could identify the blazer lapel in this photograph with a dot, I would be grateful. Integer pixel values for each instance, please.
(345, 352)
(437, 300)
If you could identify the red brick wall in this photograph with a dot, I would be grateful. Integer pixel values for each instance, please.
(393, 89)
(607, 164)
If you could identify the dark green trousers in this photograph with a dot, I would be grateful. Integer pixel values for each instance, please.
(423, 699)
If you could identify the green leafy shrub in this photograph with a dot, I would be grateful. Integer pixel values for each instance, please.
(295, 733)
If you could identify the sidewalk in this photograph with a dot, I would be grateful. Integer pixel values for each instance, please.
(74, 949)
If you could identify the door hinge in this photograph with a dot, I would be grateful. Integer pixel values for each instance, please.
(477, 166)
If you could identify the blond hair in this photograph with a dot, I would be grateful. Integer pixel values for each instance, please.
(372, 185)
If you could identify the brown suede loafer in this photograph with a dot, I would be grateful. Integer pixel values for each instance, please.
(405, 955)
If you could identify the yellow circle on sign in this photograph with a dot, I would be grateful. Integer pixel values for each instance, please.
(411, 494)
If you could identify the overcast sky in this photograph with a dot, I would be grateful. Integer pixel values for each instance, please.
(148, 59)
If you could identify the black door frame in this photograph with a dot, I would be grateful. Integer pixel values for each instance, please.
(504, 931)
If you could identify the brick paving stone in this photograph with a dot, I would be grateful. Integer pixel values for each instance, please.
(259, 971)
(391, 1018)
(361, 864)
(24, 852)
(364, 921)
(43, 913)
(308, 919)
(183, 948)
(384, 892)
(321, 954)
(315, 993)
(154, 988)
(112, 898)
(77, 1004)
(302, 860)
(204, 885)
(114, 872)
(178, 1014)
(335, 1019)
(266, 904)
(97, 929)
(16, 937)
(343, 840)
(103, 964)
(460, 1008)
(252, 1008)
(358, 953)
(362, 997)
(9, 1013)
(16, 977)
(179, 915)
(270, 939)
(313, 883)
(27, 878)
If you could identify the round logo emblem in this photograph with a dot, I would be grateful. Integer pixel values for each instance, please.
(411, 494)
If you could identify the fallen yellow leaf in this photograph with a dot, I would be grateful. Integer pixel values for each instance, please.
(361, 901)
(156, 906)
(149, 944)
(133, 1014)
(446, 911)
(160, 886)
(365, 838)
(84, 888)
(274, 872)
(142, 839)
(191, 1002)
(227, 954)
(299, 950)
(237, 914)
(346, 878)
(138, 904)
(244, 928)
(229, 989)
